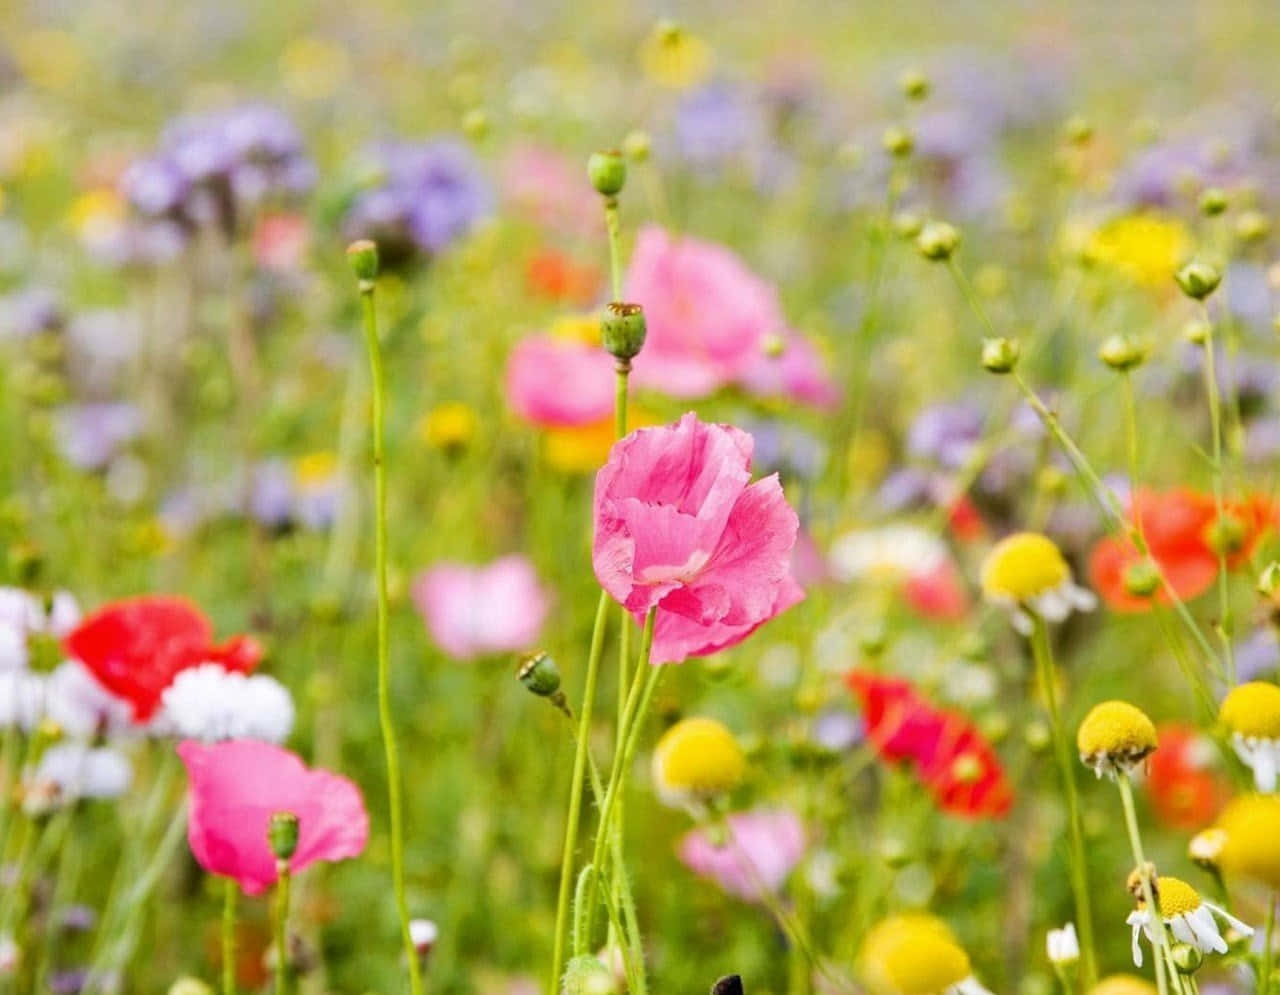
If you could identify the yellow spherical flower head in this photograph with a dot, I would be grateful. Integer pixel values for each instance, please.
(1143, 248)
(577, 328)
(696, 760)
(1251, 713)
(1251, 845)
(1189, 917)
(672, 57)
(449, 426)
(1123, 984)
(1027, 572)
(1205, 848)
(915, 955)
(1115, 737)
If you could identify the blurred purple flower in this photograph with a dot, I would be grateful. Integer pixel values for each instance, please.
(28, 312)
(90, 435)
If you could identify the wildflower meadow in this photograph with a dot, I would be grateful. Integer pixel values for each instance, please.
(526, 498)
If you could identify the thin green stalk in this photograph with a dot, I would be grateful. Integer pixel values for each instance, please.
(282, 927)
(575, 790)
(1264, 986)
(615, 262)
(1043, 654)
(1131, 449)
(1162, 953)
(1215, 428)
(370, 322)
(229, 894)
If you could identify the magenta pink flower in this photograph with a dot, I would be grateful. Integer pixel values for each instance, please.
(560, 383)
(235, 789)
(796, 373)
(707, 314)
(552, 192)
(754, 855)
(679, 526)
(471, 611)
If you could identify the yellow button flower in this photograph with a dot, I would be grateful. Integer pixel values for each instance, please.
(1251, 848)
(1144, 248)
(1123, 984)
(449, 426)
(1027, 571)
(915, 955)
(1251, 713)
(1189, 917)
(697, 759)
(1115, 737)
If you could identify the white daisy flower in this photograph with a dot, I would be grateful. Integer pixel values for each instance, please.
(1063, 946)
(1189, 917)
(1251, 713)
(68, 772)
(894, 552)
(1027, 572)
(210, 703)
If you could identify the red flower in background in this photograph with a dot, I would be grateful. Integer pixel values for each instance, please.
(136, 647)
(554, 275)
(950, 756)
(1178, 526)
(1186, 791)
(938, 594)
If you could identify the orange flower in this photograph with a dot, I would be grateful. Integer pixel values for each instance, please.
(554, 275)
(1186, 791)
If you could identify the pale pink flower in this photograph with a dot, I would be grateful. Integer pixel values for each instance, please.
(551, 191)
(707, 314)
(560, 383)
(796, 373)
(679, 526)
(471, 611)
(237, 786)
(754, 853)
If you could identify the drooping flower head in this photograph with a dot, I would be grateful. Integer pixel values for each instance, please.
(474, 610)
(915, 955)
(1188, 916)
(136, 647)
(697, 759)
(679, 526)
(1251, 714)
(237, 786)
(1027, 572)
(1115, 737)
(752, 856)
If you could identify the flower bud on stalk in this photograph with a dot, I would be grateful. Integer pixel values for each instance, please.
(1213, 201)
(282, 836)
(1122, 353)
(1198, 279)
(363, 257)
(1000, 355)
(937, 241)
(915, 84)
(623, 330)
(538, 672)
(607, 172)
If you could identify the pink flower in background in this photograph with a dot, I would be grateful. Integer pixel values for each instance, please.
(796, 373)
(280, 241)
(237, 786)
(757, 853)
(680, 526)
(559, 382)
(471, 611)
(551, 191)
(707, 314)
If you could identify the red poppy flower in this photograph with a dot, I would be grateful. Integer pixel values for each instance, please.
(1186, 791)
(553, 274)
(1179, 528)
(949, 755)
(938, 594)
(965, 520)
(136, 647)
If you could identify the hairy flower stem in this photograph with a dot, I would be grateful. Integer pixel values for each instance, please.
(378, 387)
(1224, 626)
(1162, 954)
(282, 927)
(575, 790)
(1043, 654)
(229, 895)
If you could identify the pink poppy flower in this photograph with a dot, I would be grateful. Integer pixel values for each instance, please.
(679, 526)
(797, 373)
(757, 853)
(472, 611)
(237, 786)
(560, 383)
(552, 192)
(707, 314)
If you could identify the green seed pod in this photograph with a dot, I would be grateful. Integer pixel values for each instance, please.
(1198, 279)
(608, 172)
(622, 330)
(538, 672)
(363, 257)
(282, 835)
(1141, 579)
(937, 241)
(1000, 355)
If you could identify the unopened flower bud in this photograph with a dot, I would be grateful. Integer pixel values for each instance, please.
(937, 240)
(914, 84)
(1000, 355)
(1186, 958)
(423, 933)
(1120, 352)
(1078, 130)
(608, 172)
(1196, 331)
(637, 145)
(1252, 226)
(731, 985)
(538, 672)
(363, 257)
(898, 142)
(1141, 579)
(282, 835)
(1227, 535)
(907, 224)
(1213, 201)
(587, 976)
(1198, 279)
(1269, 580)
(622, 330)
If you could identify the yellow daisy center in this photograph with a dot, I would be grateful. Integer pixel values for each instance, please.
(1175, 897)
(1123, 984)
(1253, 709)
(1023, 566)
(449, 425)
(912, 955)
(1252, 845)
(699, 756)
(1116, 729)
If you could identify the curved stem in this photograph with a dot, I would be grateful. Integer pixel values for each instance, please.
(370, 322)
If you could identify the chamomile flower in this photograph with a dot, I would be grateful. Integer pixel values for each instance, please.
(1063, 946)
(211, 704)
(696, 760)
(1189, 917)
(1114, 738)
(70, 771)
(916, 955)
(1250, 846)
(1027, 573)
(894, 552)
(1251, 713)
